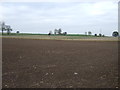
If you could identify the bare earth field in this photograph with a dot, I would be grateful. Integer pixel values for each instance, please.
(31, 63)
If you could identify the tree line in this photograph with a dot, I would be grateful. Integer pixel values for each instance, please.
(8, 28)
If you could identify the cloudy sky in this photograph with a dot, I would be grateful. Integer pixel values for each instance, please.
(72, 17)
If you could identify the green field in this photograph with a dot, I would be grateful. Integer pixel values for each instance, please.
(11, 34)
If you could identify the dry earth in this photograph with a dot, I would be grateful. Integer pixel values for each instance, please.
(59, 64)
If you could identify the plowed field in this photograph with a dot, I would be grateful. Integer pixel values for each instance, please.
(59, 64)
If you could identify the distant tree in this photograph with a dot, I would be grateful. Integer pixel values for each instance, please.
(100, 35)
(103, 35)
(85, 33)
(89, 33)
(55, 31)
(8, 29)
(95, 35)
(64, 33)
(50, 32)
(18, 32)
(3, 27)
(59, 31)
(115, 34)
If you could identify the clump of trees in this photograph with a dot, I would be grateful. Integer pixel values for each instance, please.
(88, 33)
(114, 34)
(5, 27)
(57, 32)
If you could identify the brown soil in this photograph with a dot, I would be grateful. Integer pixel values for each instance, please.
(59, 64)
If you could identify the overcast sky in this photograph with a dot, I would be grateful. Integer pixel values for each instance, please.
(72, 17)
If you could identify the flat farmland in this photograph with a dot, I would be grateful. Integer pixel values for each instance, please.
(60, 37)
(28, 63)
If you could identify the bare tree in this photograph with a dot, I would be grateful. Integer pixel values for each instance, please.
(85, 33)
(8, 29)
(100, 34)
(55, 31)
(3, 27)
(59, 31)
